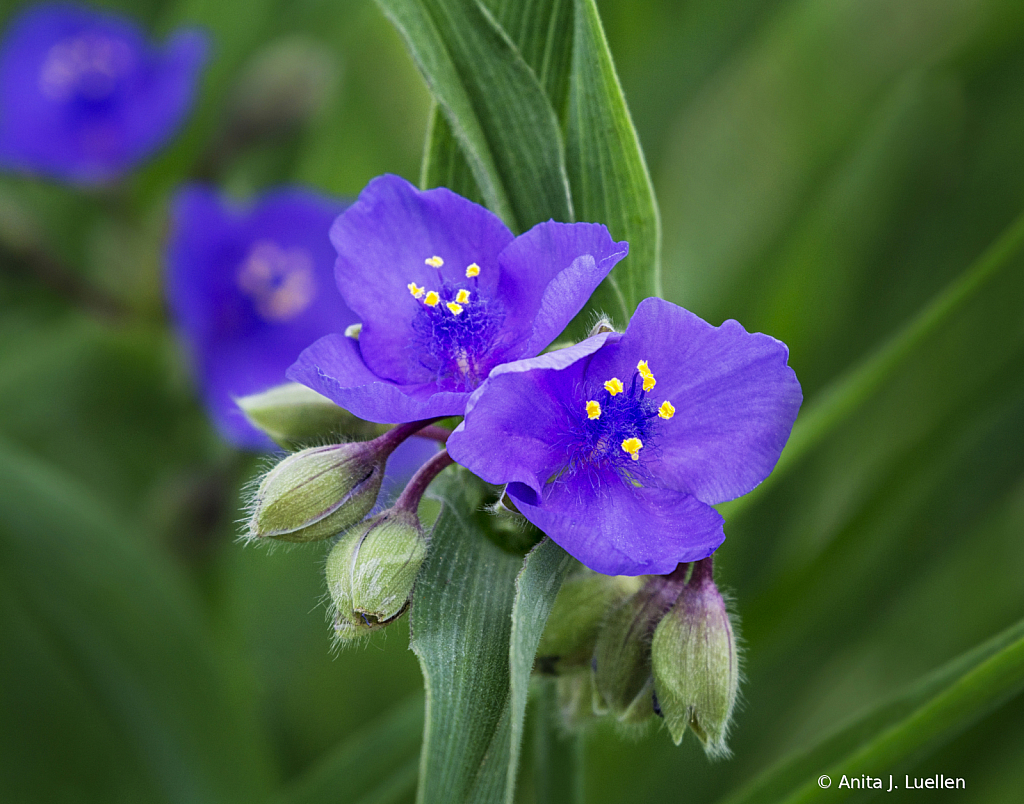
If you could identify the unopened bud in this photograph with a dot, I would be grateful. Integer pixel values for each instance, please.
(622, 656)
(318, 492)
(603, 324)
(293, 414)
(696, 670)
(371, 571)
(283, 85)
(583, 603)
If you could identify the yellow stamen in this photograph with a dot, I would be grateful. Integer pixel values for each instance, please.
(614, 386)
(455, 307)
(593, 409)
(431, 299)
(472, 270)
(416, 290)
(353, 330)
(645, 372)
(462, 296)
(633, 447)
(434, 261)
(666, 411)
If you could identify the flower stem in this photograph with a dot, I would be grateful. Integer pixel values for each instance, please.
(435, 433)
(703, 571)
(413, 492)
(557, 756)
(396, 435)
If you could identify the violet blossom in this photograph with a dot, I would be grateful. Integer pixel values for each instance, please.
(617, 447)
(444, 293)
(84, 96)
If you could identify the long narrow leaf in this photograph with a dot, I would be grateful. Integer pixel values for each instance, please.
(933, 711)
(607, 173)
(496, 108)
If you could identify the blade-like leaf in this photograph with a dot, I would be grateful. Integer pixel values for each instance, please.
(475, 628)
(101, 612)
(377, 764)
(932, 712)
(543, 34)
(494, 105)
(607, 173)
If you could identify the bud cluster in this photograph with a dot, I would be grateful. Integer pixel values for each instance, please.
(328, 491)
(633, 648)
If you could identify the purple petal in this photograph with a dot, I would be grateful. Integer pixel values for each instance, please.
(618, 529)
(548, 274)
(499, 441)
(735, 398)
(334, 367)
(383, 241)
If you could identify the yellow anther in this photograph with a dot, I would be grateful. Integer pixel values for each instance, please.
(593, 409)
(431, 299)
(667, 410)
(434, 261)
(614, 386)
(462, 296)
(455, 307)
(472, 270)
(633, 447)
(645, 372)
(353, 330)
(416, 290)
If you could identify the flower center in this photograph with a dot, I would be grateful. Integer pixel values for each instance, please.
(617, 423)
(279, 281)
(456, 329)
(87, 67)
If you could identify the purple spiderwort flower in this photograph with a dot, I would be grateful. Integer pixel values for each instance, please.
(84, 96)
(445, 293)
(617, 447)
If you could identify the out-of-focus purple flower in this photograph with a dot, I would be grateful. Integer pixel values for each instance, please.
(617, 447)
(445, 293)
(84, 96)
(250, 287)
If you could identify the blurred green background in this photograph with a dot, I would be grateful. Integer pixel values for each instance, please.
(824, 168)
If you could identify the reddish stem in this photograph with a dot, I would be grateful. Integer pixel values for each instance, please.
(413, 492)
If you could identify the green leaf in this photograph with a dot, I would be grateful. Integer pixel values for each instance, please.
(848, 393)
(543, 34)
(378, 763)
(477, 616)
(112, 662)
(494, 105)
(933, 711)
(607, 173)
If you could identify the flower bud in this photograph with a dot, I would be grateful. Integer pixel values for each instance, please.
(696, 671)
(283, 86)
(293, 414)
(582, 605)
(622, 655)
(603, 324)
(318, 492)
(371, 571)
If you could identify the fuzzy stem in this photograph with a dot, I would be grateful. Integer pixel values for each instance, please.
(409, 499)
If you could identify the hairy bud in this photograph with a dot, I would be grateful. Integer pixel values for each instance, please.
(622, 655)
(318, 492)
(583, 603)
(293, 414)
(371, 571)
(696, 670)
